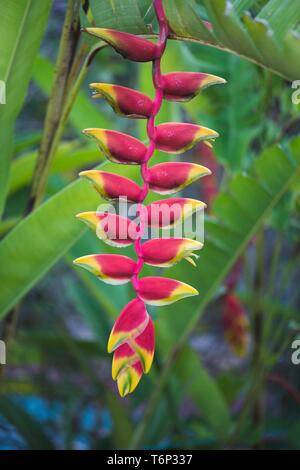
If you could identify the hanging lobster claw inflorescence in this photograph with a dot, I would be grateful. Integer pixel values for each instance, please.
(132, 337)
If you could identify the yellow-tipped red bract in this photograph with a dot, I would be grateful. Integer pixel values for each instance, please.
(124, 101)
(132, 341)
(183, 86)
(118, 147)
(111, 186)
(128, 45)
(163, 291)
(170, 177)
(167, 213)
(113, 229)
(111, 269)
(177, 137)
(130, 323)
(165, 252)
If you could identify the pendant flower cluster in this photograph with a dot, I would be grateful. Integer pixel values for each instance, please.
(132, 337)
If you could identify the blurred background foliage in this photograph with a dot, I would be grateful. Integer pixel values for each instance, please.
(203, 392)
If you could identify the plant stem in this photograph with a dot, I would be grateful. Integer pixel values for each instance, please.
(277, 248)
(55, 106)
(258, 325)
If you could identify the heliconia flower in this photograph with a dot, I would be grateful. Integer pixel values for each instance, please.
(111, 186)
(165, 252)
(128, 45)
(167, 213)
(235, 325)
(118, 147)
(124, 101)
(111, 269)
(176, 137)
(170, 177)
(139, 348)
(132, 338)
(183, 86)
(163, 291)
(113, 229)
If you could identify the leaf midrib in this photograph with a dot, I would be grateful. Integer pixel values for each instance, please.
(18, 40)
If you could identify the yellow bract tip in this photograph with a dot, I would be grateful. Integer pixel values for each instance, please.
(196, 205)
(98, 134)
(102, 33)
(92, 175)
(102, 90)
(192, 245)
(89, 262)
(89, 173)
(183, 290)
(89, 218)
(212, 80)
(198, 171)
(205, 133)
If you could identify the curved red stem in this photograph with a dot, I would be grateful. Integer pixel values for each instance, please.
(151, 132)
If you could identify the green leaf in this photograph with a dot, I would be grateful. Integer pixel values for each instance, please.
(241, 5)
(239, 123)
(122, 426)
(32, 431)
(123, 15)
(84, 113)
(203, 389)
(22, 24)
(185, 22)
(49, 231)
(228, 29)
(68, 157)
(281, 16)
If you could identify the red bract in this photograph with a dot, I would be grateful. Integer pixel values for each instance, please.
(132, 338)
(112, 186)
(124, 101)
(163, 291)
(183, 86)
(168, 178)
(128, 45)
(175, 137)
(165, 252)
(112, 269)
(118, 147)
(169, 212)
(113, 229)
